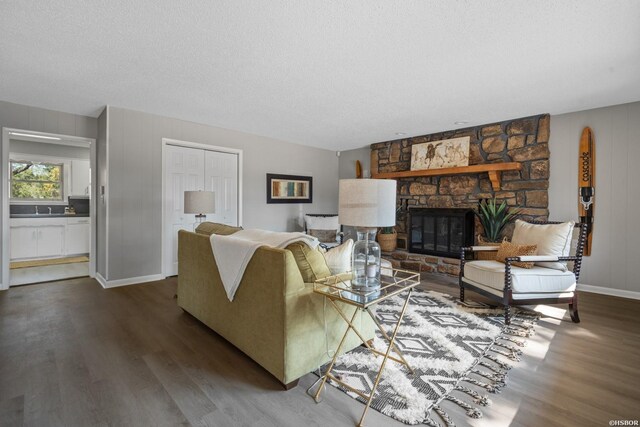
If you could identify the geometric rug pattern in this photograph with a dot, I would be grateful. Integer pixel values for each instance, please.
(459, 352)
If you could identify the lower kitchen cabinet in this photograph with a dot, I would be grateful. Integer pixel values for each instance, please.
(78, 236)
(49, 237)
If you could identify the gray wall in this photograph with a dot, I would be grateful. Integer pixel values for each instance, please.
(101, 206)
(616, 232)
(347, 170)
(135, 183)
(53, 150)
(38, 119)
(348, 162)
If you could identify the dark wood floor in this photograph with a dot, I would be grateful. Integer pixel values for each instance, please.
(74, 354)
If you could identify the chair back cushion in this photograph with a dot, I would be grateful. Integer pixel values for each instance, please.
(324, 236)
(310, 262)
(322, 223)
(508, 249)
(551, 239)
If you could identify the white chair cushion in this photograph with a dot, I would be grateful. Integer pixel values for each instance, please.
(522, 296)
(523, 280)
(551, 239)
(323, 223)
(339, 257)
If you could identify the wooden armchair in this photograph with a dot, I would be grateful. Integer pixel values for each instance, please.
(512, 285)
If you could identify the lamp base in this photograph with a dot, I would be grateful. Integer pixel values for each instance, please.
(365, 264)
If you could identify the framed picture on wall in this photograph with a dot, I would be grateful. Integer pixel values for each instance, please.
(289, 188)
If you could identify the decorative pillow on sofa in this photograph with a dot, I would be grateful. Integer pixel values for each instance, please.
(338, 258)
(508, 250)
(324, 236)
(551, 239)
(322, 223)
(310, 262)
(210, 228)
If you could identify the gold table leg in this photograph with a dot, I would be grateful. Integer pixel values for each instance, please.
(387, 354)
(384, 361)
(335, 356)
(395, 347)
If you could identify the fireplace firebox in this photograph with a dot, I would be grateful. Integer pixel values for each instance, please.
(440, 232)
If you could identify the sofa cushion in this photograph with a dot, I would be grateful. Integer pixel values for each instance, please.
(210, 228)
(551, 239)
(508, 250)
(310, 262)
(523, 280)
(339, 257)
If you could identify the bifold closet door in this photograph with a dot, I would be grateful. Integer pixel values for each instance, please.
(184, 171)
(221, 177)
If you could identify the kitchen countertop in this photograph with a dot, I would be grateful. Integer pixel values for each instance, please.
(49, 215)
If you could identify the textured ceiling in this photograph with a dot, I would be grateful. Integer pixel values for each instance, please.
(334, 74)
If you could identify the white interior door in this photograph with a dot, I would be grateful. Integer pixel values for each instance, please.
(221, 177)
(184, 171)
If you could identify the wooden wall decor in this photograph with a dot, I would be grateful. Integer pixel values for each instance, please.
(587, 183)
(358, 169)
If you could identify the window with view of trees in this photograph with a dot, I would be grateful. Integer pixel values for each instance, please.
(36, 181)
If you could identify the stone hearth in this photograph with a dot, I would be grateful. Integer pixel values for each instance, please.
(522, 140)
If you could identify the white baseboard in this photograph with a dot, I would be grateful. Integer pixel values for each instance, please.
(125, 282)
(101, 280)
(609, 291)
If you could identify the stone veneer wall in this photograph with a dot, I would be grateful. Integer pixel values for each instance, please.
(523, 140)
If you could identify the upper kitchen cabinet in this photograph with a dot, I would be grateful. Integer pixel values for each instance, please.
(80, 178)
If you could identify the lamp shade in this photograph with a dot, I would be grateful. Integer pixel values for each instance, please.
(367, 202)
(199, 202)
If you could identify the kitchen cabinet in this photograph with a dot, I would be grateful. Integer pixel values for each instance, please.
(37, 241)
(50, 241)
(80, 177)
(33, 238)
(24, 242)
(78, 236)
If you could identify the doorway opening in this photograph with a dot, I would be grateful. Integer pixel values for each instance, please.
(48, 215)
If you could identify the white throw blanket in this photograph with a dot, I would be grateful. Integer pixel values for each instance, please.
(233, 252)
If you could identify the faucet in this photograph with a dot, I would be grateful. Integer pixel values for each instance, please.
(37, 213)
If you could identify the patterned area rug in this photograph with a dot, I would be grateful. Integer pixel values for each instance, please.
(459, 351)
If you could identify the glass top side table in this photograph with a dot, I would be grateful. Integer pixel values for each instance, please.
(337, 288)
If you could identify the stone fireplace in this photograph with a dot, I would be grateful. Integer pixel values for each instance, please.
(523, 140)
(440, 232)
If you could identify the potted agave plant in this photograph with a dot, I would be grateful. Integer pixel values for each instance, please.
(493, 217)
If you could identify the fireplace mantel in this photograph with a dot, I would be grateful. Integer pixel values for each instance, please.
(494, 169)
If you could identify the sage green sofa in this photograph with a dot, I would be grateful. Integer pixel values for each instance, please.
(275, 318)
